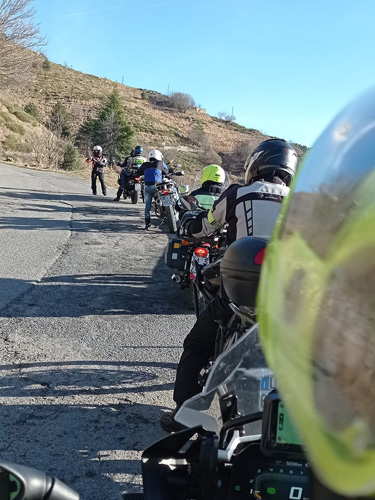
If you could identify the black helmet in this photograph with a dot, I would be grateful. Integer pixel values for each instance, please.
(272, 157)
(138, 150)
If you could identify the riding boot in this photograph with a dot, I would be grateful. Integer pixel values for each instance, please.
(118, 195)
(148, 222)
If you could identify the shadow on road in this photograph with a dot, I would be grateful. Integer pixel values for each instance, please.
(99, 294)
(44, 427)
(32, 194)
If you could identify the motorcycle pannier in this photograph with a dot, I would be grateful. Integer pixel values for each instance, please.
(240, 270)
(176, 254)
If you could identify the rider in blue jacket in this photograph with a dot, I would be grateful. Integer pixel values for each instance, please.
(153, 173)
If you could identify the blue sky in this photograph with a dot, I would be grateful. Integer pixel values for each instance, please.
(286, 67)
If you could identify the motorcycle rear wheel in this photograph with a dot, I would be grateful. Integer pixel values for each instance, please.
(171, 219)
(197, 300)
(134, 197)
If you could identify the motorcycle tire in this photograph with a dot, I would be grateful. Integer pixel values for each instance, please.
(197, 300)
(171, 219)
(134, 197)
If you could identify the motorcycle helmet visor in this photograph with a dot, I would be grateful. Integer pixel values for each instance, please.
(316, 303)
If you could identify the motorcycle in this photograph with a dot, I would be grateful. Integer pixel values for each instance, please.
(189, 254)
(238, 274)
(239, 441)
(134, 185)
(167, 194)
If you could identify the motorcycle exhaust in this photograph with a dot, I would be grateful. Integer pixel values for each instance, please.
(176, 278)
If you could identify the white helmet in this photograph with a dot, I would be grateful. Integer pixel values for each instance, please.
(98, 149)
(155, 153)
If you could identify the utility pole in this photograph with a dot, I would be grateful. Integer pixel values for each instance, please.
(168, 90)
(123, 80)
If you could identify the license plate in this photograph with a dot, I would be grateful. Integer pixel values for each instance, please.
(167, 200)
(138, 187)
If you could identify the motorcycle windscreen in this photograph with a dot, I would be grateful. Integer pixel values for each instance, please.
(242, 371)
(316, 302)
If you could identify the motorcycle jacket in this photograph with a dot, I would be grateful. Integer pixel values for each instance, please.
(207, 194)
(153, 171)
(249, 210)
(137, 160)
(98, 163)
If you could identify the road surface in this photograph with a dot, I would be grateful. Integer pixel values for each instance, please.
(91, 328)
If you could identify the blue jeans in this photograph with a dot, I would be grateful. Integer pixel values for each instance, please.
(149, 195)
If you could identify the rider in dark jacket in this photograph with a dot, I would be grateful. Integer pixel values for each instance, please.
(249, 210)
(153, 173)
(98, 162)
(135, 158)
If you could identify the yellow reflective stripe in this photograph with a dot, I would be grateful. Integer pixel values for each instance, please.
(213, 221)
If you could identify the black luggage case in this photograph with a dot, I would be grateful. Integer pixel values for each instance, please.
(176, 254)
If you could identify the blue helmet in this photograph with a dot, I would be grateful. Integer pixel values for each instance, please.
(138, 150)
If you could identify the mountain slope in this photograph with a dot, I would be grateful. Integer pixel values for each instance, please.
(191, 138)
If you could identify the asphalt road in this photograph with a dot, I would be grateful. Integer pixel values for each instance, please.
(91, 328)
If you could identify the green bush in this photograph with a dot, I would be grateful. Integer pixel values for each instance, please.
(33, 110)
(6, 116)
(17, 128)
(71, 160)
(24, 147)
(11, 143)
(46, 64)
(23, 116)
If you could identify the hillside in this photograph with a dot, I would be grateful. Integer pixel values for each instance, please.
(192, 138)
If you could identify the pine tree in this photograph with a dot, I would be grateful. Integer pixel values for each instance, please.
(86, 135)
(112, 131)
(60, 121)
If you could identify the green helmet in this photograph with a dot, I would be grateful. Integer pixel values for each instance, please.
(316, 302)
(213, 173)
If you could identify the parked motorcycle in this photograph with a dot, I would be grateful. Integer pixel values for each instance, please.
(167, 194)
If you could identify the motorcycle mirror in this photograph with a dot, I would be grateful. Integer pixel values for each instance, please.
(18, 482)
(179, 172)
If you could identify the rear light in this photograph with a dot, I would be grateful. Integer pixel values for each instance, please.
(201, 252)
(137, 179)
(260, 257)
(165, 191)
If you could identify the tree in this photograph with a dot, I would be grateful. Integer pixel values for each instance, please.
(70, 158)
(228, 117)
(111, 129)
(60, 121)
(17, 34)
(85, 136)
(181, 101)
